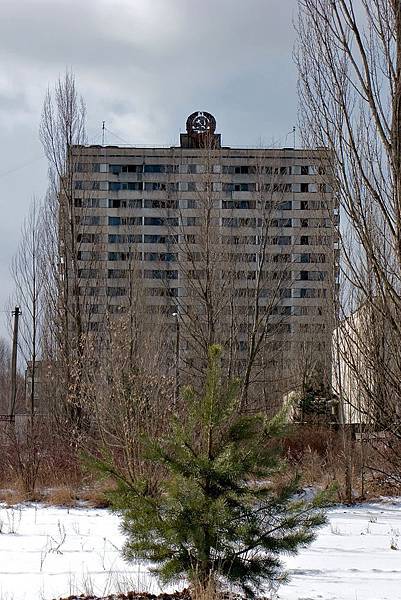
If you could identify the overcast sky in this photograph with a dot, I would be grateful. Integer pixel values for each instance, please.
(142, 66)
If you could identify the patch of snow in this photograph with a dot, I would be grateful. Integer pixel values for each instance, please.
(50, 553)
(356, 556)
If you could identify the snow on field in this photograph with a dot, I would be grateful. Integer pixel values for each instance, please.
(357, 556)
(51, 552)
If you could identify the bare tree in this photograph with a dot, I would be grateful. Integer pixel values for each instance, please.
(131, 397)
(28, 279)
(62, 132)
(5, 360)
(349, 60)
(233, 278)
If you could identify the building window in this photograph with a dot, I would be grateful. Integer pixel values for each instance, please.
(116, 186)
(280, 240)
(116, 238)
(118, 256)
(283, 205)
(281, 223)
(117, 169)
(162, 291)
(89, 202)
(160, 168)
(160, 256)
(160, 239)
(89, 255)
(238, 187)
(87, 220)
(88, 238)
(116, 291)
(276, 187)
(117, 203)
(310, 293)
(161, 221)
(239, 239)
(239, 204)
(163, 203)
(90, 291)
(117, 221)
(88, 273)
(243, 187)
(238, 222)
(117, 273)
(313, 258)
(154, 221)
(160, 274)
(281, 258)
(116, 309)
(160, 186)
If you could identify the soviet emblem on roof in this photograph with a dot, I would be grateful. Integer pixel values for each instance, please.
(201, 123)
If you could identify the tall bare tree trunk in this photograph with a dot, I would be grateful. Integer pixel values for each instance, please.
(349, 61)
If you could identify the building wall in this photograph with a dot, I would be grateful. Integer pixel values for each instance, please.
(141, 215)
(366, 366)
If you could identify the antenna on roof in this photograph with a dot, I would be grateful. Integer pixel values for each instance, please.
(103, 128)
(293, 131)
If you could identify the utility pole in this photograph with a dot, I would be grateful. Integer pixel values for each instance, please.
(13, 394)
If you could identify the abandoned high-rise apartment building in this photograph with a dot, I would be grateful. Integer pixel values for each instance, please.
(232, 245)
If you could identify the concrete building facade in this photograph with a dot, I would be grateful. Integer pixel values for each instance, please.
(267, 218)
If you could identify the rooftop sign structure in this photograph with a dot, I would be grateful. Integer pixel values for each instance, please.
(201, 126)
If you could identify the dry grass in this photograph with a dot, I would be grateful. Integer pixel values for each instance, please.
(315, 451)
(12, 496)
(95, 494)
(320, 454)
(209, 593)
(61, 496)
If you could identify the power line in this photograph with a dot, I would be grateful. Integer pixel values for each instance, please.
(14, 169)
(117, 136)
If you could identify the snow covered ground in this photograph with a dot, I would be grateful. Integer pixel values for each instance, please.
(47, 552)
(357, 556)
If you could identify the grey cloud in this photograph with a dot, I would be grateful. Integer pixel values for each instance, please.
(142, 66)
